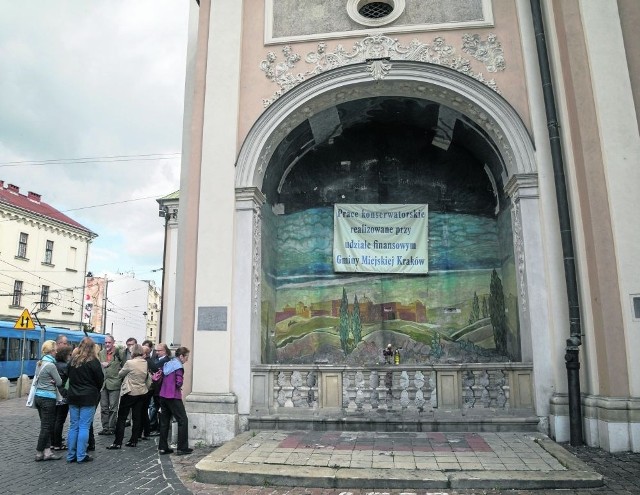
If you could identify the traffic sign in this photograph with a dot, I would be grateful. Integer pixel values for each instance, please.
(24, 322)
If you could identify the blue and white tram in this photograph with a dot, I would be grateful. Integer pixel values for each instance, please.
(11, 346)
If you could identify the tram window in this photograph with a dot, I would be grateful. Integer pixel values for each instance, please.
(14, 349)
(3, 349)
(32, 347)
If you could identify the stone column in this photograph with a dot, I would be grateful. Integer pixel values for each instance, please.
(532, 285)
(245, 316)
(212, 405)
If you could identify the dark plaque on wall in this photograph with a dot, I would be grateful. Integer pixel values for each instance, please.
(212, 318)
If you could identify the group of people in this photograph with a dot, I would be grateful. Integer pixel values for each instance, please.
(139, 380)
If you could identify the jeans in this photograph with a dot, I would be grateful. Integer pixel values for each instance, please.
(109, 400)
(154, 422)
(47, 412)
(175, 408)
(61, 416)
(80, 419)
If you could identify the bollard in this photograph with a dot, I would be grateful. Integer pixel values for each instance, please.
(4, 388)
(23, 386)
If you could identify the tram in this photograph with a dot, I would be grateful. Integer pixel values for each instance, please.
(16, 343)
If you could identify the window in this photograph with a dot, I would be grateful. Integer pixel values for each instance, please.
(3, 349)
(31, 351)
(17, 293)
(44, 297)
(48, 253)
(14, 349)
(71, 261)
(375, 13)
(22, 245)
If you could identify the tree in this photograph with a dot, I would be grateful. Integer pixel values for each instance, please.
(496, 310)
(475, 309)
(485, 307)
(344, 322)
(356, 323)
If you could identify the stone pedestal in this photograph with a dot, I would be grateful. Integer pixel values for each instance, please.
(213, 418)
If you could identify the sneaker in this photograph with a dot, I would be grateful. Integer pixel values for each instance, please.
(104, 432)
(165, 451)
(87, 458)
(184, 451)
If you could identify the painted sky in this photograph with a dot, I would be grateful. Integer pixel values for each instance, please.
(96, 79)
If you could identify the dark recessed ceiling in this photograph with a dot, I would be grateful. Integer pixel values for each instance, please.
(381, 150)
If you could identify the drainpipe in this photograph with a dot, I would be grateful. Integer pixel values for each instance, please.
(572, 356)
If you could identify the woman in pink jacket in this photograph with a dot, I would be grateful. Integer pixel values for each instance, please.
(171, 404)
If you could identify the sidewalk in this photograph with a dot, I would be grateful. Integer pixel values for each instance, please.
(404, 460)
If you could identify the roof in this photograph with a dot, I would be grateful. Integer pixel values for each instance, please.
(32, 203)
(168, 197)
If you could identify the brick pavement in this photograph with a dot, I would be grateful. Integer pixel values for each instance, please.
(126, 471)
(142, 470)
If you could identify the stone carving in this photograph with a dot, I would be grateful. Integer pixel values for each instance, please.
(256, 257)
(489, 52)
(519, 252)
(377, 51)
(387, 391)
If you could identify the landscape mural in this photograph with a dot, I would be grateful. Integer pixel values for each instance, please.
(464, 310)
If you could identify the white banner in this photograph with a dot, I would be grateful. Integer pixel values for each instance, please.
(374, 238)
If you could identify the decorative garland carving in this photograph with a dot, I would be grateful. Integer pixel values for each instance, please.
(488, 52)
(519, 251)
(257, 256)
(377, 51)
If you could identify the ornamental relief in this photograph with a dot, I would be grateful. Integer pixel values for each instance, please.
(378, 51)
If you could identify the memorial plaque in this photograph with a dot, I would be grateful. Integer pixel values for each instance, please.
(212, 318)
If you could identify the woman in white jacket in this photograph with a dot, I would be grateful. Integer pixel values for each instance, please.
(134, 387)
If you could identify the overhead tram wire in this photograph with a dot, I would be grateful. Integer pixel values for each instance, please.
(93, 159)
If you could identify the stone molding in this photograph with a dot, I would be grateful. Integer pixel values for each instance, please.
(376, 48)
(436, 83)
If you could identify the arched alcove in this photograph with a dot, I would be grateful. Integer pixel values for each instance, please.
(290, 165)
(388, 150)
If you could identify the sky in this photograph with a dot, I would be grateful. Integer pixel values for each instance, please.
(87, 80)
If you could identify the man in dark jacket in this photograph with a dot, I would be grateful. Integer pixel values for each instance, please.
(163, 354)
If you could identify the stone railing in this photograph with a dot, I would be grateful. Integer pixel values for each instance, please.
(353, 390)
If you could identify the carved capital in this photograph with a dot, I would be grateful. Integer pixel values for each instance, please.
(522, 186)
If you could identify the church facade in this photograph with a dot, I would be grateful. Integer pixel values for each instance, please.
(455, 180)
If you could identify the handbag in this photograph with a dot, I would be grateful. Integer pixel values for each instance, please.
(31, 398)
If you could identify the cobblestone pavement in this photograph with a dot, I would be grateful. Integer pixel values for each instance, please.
(142, 470)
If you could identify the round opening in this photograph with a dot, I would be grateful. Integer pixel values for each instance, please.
(375, 10)
(374, 14)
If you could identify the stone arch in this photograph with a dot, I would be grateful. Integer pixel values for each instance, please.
(479, 103)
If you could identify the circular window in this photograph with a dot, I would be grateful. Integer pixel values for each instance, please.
(375, 13)
(375, 10)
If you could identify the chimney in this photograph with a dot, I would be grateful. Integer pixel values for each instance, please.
(14, 189)
(1, 184)
(35, 197)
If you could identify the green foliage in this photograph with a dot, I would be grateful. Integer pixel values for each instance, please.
(496, 310)
(485, 307)
(343, 326)
(356, 323)
(475, 309)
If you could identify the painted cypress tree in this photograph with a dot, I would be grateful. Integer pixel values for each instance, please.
(344, 322)
(475, 309)
(496, 309)
(356, 323)
(485, 307)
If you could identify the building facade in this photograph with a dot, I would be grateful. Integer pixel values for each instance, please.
(514, 123)
(43, 260)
